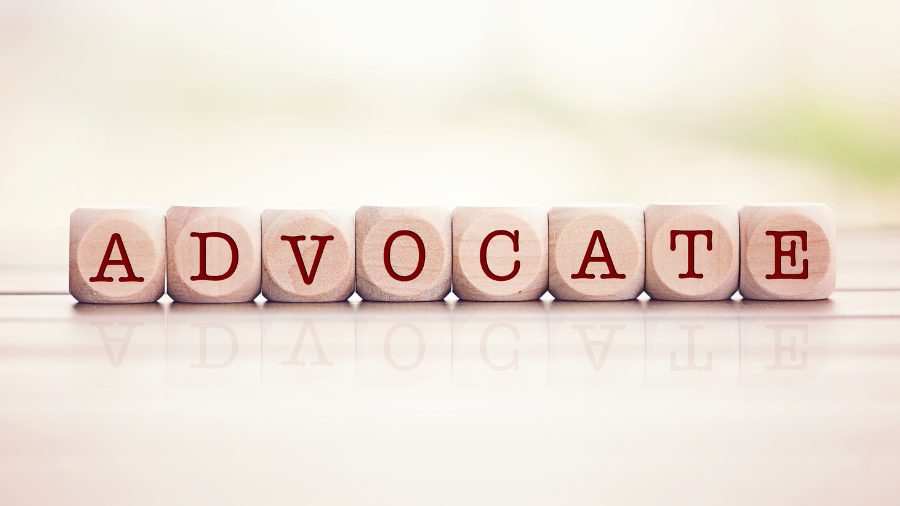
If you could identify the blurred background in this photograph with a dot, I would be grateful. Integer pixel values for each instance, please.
(348, 102)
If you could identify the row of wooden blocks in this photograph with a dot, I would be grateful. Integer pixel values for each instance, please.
(600, 252)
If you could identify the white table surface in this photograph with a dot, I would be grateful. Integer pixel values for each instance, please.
(452, 402)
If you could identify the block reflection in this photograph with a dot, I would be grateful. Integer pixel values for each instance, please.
(782, 347)
(692, 345)
(596, 343)
(119, 344)
(306, 344)
(404, 344)
(213, 345)
(716, 344)
(500, 343)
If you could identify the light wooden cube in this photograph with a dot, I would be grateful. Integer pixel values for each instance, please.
(693, 250)
(117, 254)
(596, 251)
(788, 251)
(499, 253)
(214, 253)
(308, 255)
(403, 253)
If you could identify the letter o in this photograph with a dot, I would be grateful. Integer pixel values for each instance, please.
(387, 255)
(390, 356)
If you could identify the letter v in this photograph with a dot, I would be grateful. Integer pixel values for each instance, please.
(311, 275)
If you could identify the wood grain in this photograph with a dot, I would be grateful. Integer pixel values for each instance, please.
(101, 232)
(503, 274)
(403, 253)
(238, 222)
(769, 232)
(715, 252)
(327, 251)
(579, 268)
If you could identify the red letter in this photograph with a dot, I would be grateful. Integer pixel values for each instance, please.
(606, 258)
(387, 255)
(690, 235)
(307, 278)
(791, 253)
(234, 256)
(117, 239)
(484, 246)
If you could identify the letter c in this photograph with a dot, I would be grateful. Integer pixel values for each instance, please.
(514, 362)
(484, 246)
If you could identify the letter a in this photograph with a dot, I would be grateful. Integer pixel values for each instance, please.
(107, 261)
(116, 361)
(597, 364)
(606, 258)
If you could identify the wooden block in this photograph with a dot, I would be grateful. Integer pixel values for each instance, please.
(692, 250)
(499, 253)
(403, 253)
(788, 251)
(117, 254)
(308, 255)
(596, 251)
(214, 253)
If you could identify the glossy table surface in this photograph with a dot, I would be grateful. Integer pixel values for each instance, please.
(545, 402)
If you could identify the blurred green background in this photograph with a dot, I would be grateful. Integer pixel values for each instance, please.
(353, 102)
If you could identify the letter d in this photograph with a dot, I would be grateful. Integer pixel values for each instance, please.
(234, 256)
